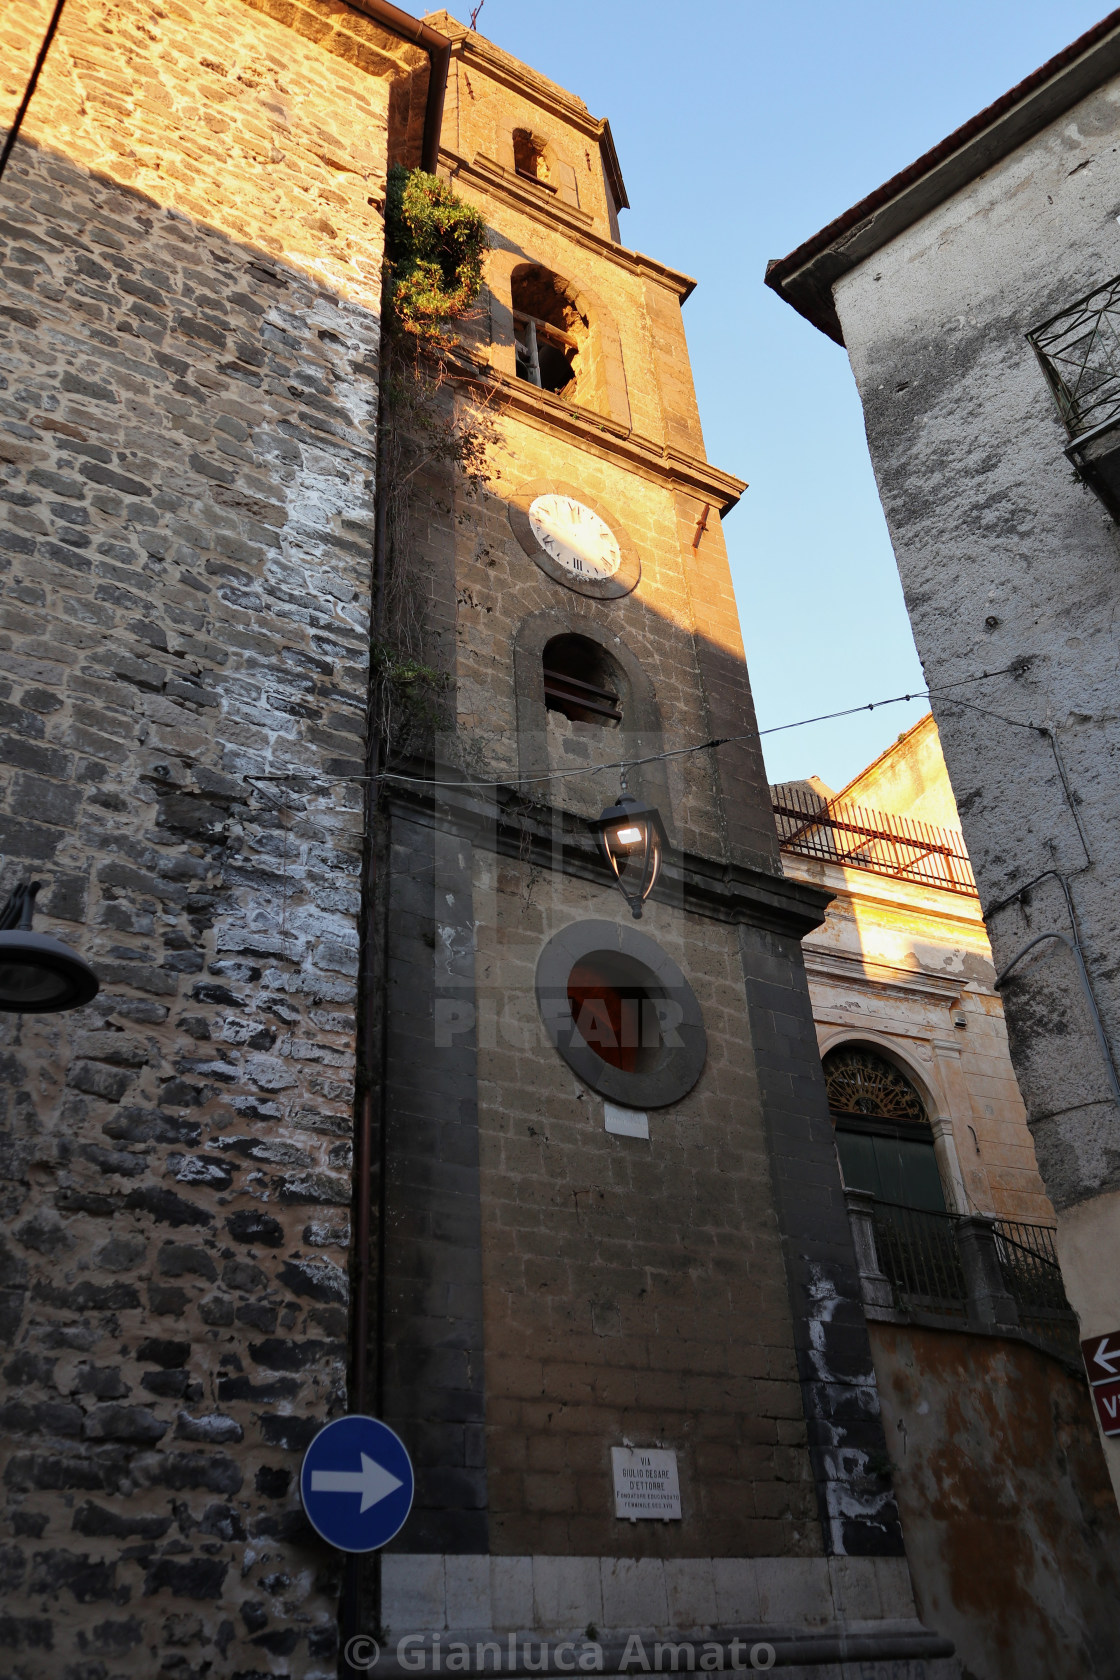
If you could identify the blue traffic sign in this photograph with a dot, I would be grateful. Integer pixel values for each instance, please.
(356, 1483)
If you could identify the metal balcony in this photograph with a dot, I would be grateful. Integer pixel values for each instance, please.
(879, 841)
(1079, 351)
(998, 1275)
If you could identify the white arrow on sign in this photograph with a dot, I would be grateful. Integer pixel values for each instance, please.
(372, 1481)
(1106, 1357)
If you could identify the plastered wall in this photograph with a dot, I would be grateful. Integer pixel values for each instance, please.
(1011, 1528)
(1007, 561)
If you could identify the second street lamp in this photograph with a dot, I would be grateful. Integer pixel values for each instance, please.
(633, 841)
(38, 975)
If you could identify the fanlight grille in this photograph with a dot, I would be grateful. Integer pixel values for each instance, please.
(859, 1082)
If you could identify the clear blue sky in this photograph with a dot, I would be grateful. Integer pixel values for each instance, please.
(741, 129)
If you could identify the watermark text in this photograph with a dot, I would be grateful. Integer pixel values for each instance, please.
(517, 1654)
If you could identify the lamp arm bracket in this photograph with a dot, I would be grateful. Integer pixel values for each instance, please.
(20, 906)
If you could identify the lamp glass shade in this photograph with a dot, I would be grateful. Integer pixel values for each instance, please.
(41, 976)
(632, 837)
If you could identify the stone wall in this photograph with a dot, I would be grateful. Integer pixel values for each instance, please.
(191, 242)
(192, 231)
(633, 1289)
(654, 1290)
(625, 1289)
(499, 590)
(1011, 1530)
(639, 456)
(1007, 561)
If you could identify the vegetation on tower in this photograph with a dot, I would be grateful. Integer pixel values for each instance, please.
(433, 434)
(434, 245)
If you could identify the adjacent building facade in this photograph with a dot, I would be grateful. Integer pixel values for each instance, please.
(902, 965)
(989, 1423)
(975, 294)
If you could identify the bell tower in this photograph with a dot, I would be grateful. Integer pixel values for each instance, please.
(618, 1320)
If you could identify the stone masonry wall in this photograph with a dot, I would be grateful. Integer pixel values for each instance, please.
(190, 254)
(630, 1289)
(1009, 565)
(681, 622)
(633, 1289)
(499, 589)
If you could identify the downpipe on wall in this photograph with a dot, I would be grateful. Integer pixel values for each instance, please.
(359, 1608)
(1073, 941)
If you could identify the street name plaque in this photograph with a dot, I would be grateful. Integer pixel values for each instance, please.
(645, 1484)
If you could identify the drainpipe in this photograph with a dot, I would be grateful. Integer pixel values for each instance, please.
(438, 49)
(369, 1040)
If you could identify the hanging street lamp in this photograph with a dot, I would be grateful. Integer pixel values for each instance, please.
(633, 840)
(38, 975)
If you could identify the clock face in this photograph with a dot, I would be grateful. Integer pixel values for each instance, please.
(574, 536)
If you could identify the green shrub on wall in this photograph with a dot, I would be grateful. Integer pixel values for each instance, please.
(434, 246)
(433, 431)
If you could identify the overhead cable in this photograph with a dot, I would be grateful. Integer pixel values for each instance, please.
(627, 763)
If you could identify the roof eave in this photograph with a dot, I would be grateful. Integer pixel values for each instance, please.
(806, 277)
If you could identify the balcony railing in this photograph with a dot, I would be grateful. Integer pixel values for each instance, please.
(879, 841)
(1080, 354)
(1029, 1264)
(995, 1274)
(919, 1254)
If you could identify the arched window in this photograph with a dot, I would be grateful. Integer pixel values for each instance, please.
(530, 157)
(552, 335)
(535, 159)
(580, 681)
(883, 1135)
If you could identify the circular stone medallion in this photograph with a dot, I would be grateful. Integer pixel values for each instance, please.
(621, 1014)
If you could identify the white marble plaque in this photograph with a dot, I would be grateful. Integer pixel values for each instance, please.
(645, 1483)
(625, 1122)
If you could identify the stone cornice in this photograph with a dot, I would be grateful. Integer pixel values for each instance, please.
(606, 438)
(530, 197)
(488, 176)
(336, 31)
(885, 979)
(502, 820)
(892, 893)
(501, 67)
